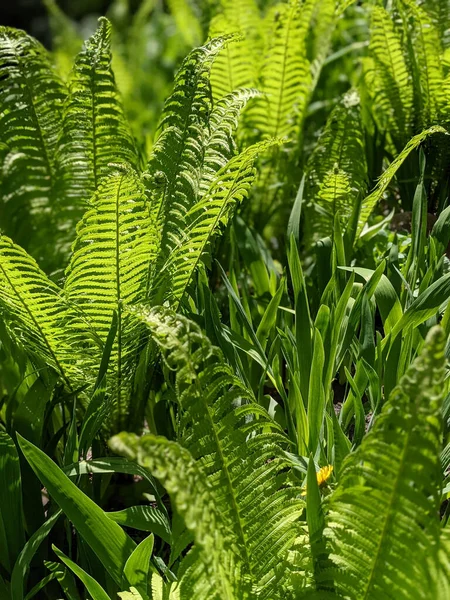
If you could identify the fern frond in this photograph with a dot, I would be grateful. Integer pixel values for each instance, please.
(195, 501)
(286, 76)
(237, 65)
(31, 99)
(230, 186)
(375, 196)
(38, 317)
(426, 58)
(174, 169)
(109, 264)
(390, 81)
(238, 448)
(195, 145)
(95, 131)
(387, 499)
(336, 171)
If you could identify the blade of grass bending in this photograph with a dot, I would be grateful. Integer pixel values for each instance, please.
(92, 586)
(19, 574)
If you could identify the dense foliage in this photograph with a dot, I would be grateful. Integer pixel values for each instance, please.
(224, 298)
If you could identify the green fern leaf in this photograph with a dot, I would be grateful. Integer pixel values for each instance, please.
(174, 169)
(237, 65)
(195, 501)
(375, 196)
(383, 521)
(426, 57)
(95, 129)
(230, 186)
(286, 76)
(31, 99)
(108, 267)
(336, 171)
(388, 78)
(38, 317)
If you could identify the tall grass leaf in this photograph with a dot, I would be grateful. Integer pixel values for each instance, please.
(316, 394)
(137, 567)
(19, 574)
(92, 586)
(107, 539)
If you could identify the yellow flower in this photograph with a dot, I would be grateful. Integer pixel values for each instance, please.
(324, 474)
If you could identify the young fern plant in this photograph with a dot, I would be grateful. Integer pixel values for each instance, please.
(143, 234)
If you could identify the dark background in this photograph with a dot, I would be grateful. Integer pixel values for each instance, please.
(31, 15)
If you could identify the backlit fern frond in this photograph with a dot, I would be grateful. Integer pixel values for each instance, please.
(237, 65)
(285, 76)
(191, 154)
(95, 129)
(369, 203)
(426, 58)
(212, 570)
(109, 264)
(336, 171)
(230, 186)
(237, 446)
(383, 522)
(31, 98)
(390, 82)
(174, 169)
(38, 317)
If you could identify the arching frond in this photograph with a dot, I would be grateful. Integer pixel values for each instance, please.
(387, 499)
(39, 318)
(238, 448)
(95, 131)
(31, 98)
(174, 169)
(215, 574)
(195, 145)
(109, 264)
(426, 57)
(230, 186)
(375, 196)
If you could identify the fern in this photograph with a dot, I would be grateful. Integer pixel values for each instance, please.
(237, 66)
(108, 266)
(230, 186)
(236, 447)
(388, 76)
(40, 319)
(95, 131)
(285, 77)
(336, 171)
(31, 99)
(386, 502)
(375, 196)
(426, 58)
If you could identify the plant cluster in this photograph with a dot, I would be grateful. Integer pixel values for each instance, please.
(224, 299)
